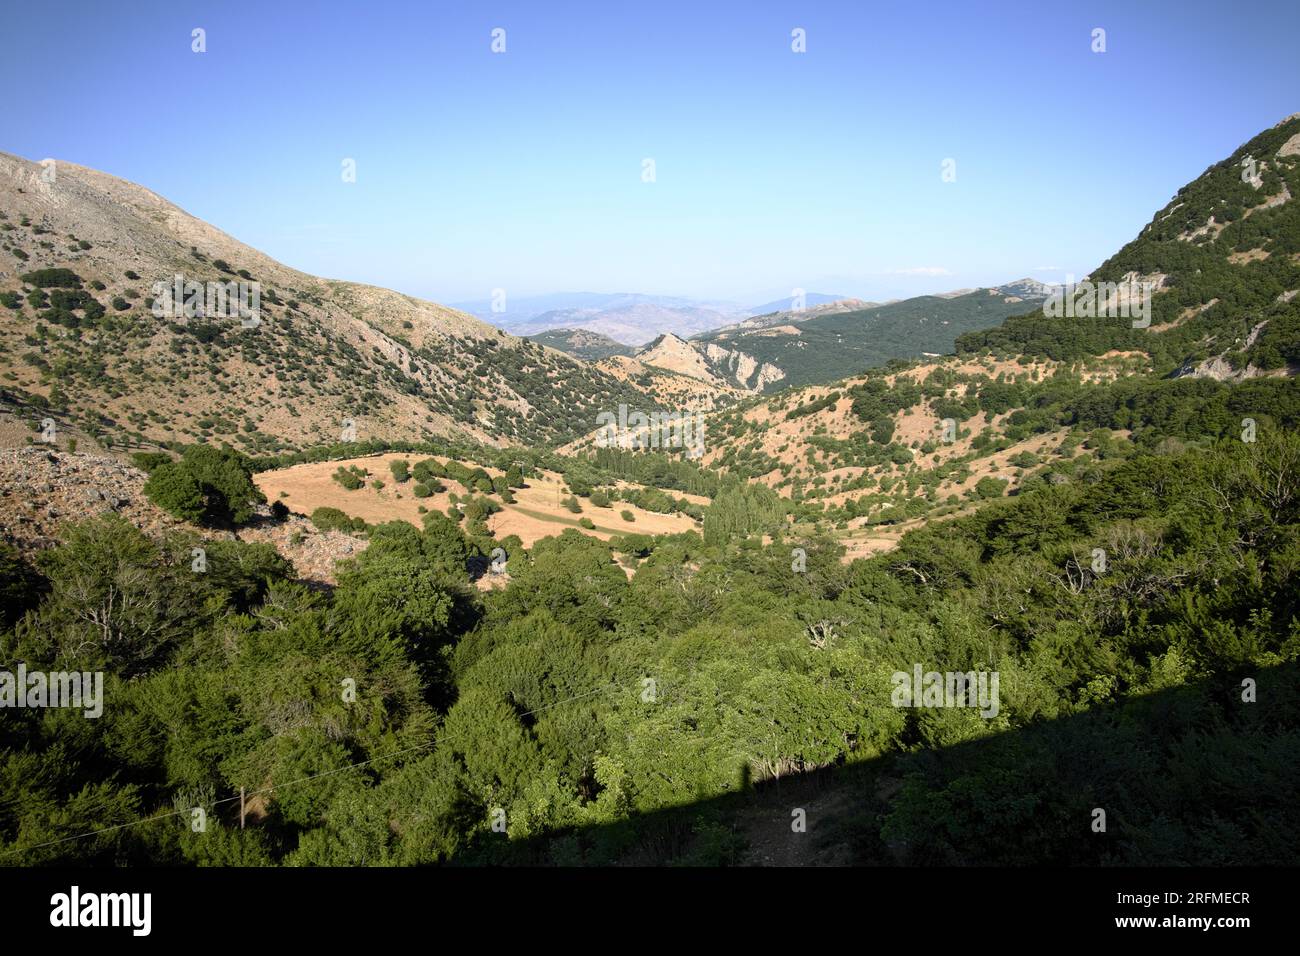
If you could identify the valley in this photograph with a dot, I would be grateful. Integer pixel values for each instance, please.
(560, 649)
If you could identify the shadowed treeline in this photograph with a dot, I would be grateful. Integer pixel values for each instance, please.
(1191, 775)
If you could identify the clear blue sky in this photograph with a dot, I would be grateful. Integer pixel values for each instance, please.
(774, 169)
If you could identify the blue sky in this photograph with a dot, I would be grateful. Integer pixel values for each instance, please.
(774, 170)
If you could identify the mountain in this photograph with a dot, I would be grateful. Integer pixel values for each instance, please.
(769, 319)
(627, 317)
(810, 299)
(581, 343)
(82, 343)
(839, 338)
(511, 311)
(632, 323)
(723, 368)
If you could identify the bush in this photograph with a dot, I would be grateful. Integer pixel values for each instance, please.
(348, 479)
(174, 489)
(587, 523)
(332, 519)
(20, 586)
(208, 486)
(990, 487)
(401, 471)
(421, 490)
(627, 515)
(52, 279)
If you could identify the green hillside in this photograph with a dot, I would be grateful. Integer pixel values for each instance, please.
(837, 346)
(581, 343)
(1198, 262)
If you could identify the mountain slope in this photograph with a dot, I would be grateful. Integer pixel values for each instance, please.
(810, 300)
(1225, 255)
(326, 354)
(831, 345)
(1056, 400)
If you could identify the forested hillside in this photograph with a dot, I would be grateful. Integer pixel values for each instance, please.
(823, 348)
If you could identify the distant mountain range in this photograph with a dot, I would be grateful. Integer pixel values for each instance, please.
(629, 318)
(824, 340)
(632, 319)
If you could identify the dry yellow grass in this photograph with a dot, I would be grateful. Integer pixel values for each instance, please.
(536, 513)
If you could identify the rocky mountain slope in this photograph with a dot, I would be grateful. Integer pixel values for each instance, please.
(721, 367)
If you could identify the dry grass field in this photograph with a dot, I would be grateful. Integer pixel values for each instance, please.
(537, 512)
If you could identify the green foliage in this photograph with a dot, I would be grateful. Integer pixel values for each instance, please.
(352, 478)
(206, 486)
(332, 519)
(740, 509)
(52, 279)
(174, 489)
(147, 461)
(990, 487)
(530, 697)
